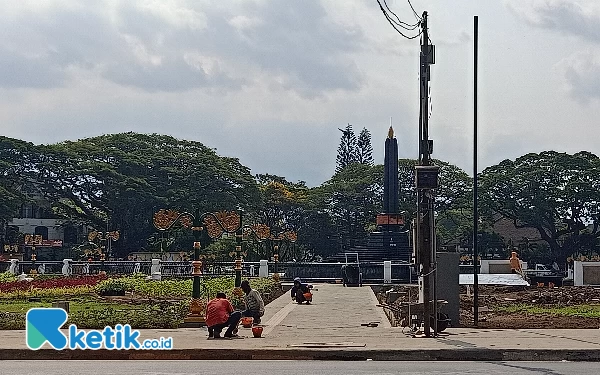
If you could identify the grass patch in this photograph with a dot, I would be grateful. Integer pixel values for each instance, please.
(586, 311)
(74, 306)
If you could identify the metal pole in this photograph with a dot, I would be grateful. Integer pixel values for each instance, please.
(238, 250)
(197, 229)
(475, 211)
(426, 232)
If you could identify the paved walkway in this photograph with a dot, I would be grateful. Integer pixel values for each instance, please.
(332, 326)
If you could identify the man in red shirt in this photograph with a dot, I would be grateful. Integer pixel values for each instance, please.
(220, 314)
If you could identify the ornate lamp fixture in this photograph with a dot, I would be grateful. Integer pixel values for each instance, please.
(213, 225)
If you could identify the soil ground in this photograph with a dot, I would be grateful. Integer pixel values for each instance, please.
(504, 307)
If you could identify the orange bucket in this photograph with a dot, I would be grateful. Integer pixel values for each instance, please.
(257, 331)
(247, 321)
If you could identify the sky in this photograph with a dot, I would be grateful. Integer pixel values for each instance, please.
(271, 81)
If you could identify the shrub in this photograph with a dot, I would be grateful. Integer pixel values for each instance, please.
(111, 287)
(7, 277)
(61, 282)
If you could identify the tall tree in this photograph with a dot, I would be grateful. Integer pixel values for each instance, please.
(347, 149)
(16, 167)
(118, 181)
(364, 149)
(352, 198)
(555, 193)
(282, 207)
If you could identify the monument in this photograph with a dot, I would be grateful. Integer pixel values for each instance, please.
(390, 220)
(390, 241)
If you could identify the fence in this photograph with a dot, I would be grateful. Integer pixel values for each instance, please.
(372, 272)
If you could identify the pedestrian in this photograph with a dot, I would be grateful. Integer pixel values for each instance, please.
(220, 314)
(255, 306)
(515, 263)
(301, 292)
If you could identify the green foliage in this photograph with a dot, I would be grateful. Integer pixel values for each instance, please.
(352, 197)
(283, 206)
(120, 180)
(555, 193)
(346, 150)
(15, 164)
(97, 315)
(586, 311)
(48, 292)
(364, 149)
(7, 277)
(157, 315)
(111, 287)
(88, 311)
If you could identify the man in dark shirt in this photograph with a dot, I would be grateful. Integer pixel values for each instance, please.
(220, 314)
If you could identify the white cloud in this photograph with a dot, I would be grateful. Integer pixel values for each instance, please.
(582, 75)
(564, 16)
(270, 81)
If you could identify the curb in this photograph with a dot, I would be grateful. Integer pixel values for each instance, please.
(587, 355)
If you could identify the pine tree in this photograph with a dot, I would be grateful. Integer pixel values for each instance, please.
(347, 149)
(364, 149)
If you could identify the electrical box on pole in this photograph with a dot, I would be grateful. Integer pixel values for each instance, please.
(426, 176)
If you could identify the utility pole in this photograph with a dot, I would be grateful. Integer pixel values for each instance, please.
(426, 180)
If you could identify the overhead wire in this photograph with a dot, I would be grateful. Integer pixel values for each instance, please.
(395, 23)
(401, 23)
(414, 11)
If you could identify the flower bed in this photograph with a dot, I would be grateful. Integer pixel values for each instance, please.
(149, 304)
(64, 282)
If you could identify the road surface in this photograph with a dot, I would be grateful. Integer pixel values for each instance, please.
(293, 367)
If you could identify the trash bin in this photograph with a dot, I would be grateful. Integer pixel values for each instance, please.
(351, 275)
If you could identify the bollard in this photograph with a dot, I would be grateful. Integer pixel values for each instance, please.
(263, 269)
(66, 269)
(387, 272)
(155, 266)
(14, 266)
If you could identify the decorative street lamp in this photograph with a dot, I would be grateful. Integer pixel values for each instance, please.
(103, 237)
(31, 240)
(213, 225)
(259, 231)
(287, 235)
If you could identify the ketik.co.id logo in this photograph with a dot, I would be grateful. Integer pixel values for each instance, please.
(44, 325)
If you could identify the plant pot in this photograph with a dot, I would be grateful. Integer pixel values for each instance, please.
(257, 331)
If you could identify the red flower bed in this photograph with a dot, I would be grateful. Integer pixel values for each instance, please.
(63, 282)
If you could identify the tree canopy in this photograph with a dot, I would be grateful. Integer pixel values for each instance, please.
(555, 193)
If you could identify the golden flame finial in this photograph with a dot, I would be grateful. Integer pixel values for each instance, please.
(391, 133)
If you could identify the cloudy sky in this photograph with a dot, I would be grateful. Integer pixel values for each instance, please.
(271, 81)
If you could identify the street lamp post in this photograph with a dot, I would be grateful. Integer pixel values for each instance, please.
(287, 235)
(259, 231)
(31, 240)
(208, 224)
(104, 238)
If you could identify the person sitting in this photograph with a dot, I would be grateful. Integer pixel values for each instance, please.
(220, 314)
(255, 306)
(300, 291)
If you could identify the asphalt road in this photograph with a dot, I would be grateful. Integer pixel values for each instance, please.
(293, 367)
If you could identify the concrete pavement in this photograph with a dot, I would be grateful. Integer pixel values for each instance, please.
(330, 328)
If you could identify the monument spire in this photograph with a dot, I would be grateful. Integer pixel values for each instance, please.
(390, 183)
